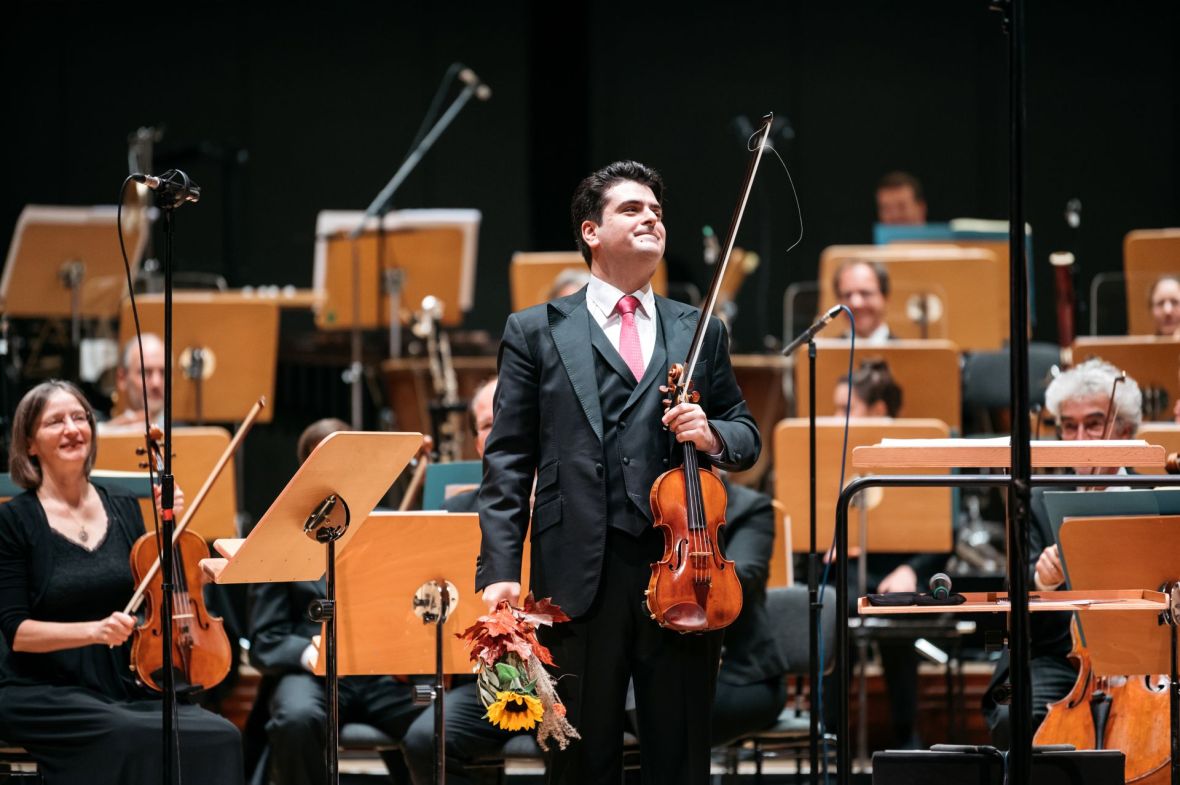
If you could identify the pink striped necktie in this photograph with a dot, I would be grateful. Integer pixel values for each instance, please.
(629, 335)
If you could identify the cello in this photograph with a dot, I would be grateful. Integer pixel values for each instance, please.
(693, 587)
(200, 648)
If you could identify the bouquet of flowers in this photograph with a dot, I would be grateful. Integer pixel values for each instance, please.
(514, 687)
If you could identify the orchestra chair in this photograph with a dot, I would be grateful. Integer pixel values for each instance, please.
(1147, 254)
(985, 384)
(791, 732)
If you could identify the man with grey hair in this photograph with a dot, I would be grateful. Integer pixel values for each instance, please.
(1080, 400)
(130, 388)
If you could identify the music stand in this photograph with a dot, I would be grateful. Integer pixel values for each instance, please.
(531, 275)
(391, 600)
(338, 485)
(1147, 254)
(1148, 359)
(905, 520)
(912, 363)
(196, 452)
(65, 262)
(970, 286)
(220, 340)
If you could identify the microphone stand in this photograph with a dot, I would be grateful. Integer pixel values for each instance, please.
(378, 208)
(167, 492)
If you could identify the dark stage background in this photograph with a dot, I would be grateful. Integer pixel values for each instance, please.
(281, 111)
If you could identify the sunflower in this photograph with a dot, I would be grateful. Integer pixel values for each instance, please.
(514, 711)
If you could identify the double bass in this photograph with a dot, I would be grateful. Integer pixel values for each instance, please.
(693, 587)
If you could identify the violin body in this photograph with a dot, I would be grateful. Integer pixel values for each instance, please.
(200, 648)
(693, 588)
(1127, 713)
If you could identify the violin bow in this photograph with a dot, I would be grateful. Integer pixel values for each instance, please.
(259, 405)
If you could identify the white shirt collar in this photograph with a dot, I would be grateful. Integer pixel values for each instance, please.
(602, 297)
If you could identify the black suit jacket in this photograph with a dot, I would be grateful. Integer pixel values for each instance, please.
(548, 423)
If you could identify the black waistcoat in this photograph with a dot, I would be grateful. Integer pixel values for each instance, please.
(635, 445)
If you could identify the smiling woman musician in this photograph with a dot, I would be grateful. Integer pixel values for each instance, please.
(66, 692)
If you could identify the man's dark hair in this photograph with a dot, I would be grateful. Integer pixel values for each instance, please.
(902, 180)
(879, 270)
(589, 196)
(872, 382)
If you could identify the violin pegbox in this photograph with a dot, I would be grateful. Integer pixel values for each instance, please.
(675, 390)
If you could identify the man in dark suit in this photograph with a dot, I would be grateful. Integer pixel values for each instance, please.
(578, 407)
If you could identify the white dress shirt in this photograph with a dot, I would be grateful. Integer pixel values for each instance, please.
(601, 299)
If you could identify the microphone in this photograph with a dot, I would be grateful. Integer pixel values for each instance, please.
(469, 78)
(940, 586)
(811, 331)
(174, 187)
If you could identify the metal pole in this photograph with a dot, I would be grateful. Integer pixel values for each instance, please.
(814, 673)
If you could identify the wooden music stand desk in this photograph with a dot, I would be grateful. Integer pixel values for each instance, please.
(1147, 254)
(965, 290)
(901, 520)
(919, 453)
(531, 275)
(380, 574)
(236, 340)
(913, 365)
(1115, 552)
(52, 246)
(426, 253)
(356, 466)
(196, 452)
(1152, 361)
(1165, 434)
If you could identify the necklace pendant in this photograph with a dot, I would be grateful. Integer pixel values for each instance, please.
(83, 536)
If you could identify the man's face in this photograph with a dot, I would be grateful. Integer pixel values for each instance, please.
(632, 229)
(900, 206)
(859, 289)
(481, 408)
(1165, 307)
(129, 383)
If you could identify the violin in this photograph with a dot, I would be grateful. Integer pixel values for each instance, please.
(693, 587)
(1128, 713)
(201, 653)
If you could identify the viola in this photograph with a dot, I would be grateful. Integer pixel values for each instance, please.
(201, 654)
(693, 587)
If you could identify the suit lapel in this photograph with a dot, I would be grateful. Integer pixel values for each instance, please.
(679, 322)
(569, 324)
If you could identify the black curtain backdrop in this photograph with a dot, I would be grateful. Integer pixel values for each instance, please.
(281, 110)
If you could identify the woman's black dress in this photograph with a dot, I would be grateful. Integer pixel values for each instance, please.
(77, 711)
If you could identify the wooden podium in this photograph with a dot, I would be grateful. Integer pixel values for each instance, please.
(965, 291)
(900, 520)
(913, 365)
(225, 347)
(532, 274)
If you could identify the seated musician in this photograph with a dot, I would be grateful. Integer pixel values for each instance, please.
(567, 282)
(872, 392)
(66, 688)
(281, 647)
(130, 390)
(900, 200)
(1079, 400)
(751, 691)
(1165, 305)
(864, 288)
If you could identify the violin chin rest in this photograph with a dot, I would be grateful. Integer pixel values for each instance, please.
(686, 616)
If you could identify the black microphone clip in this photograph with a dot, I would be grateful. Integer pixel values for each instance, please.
(173, 188)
